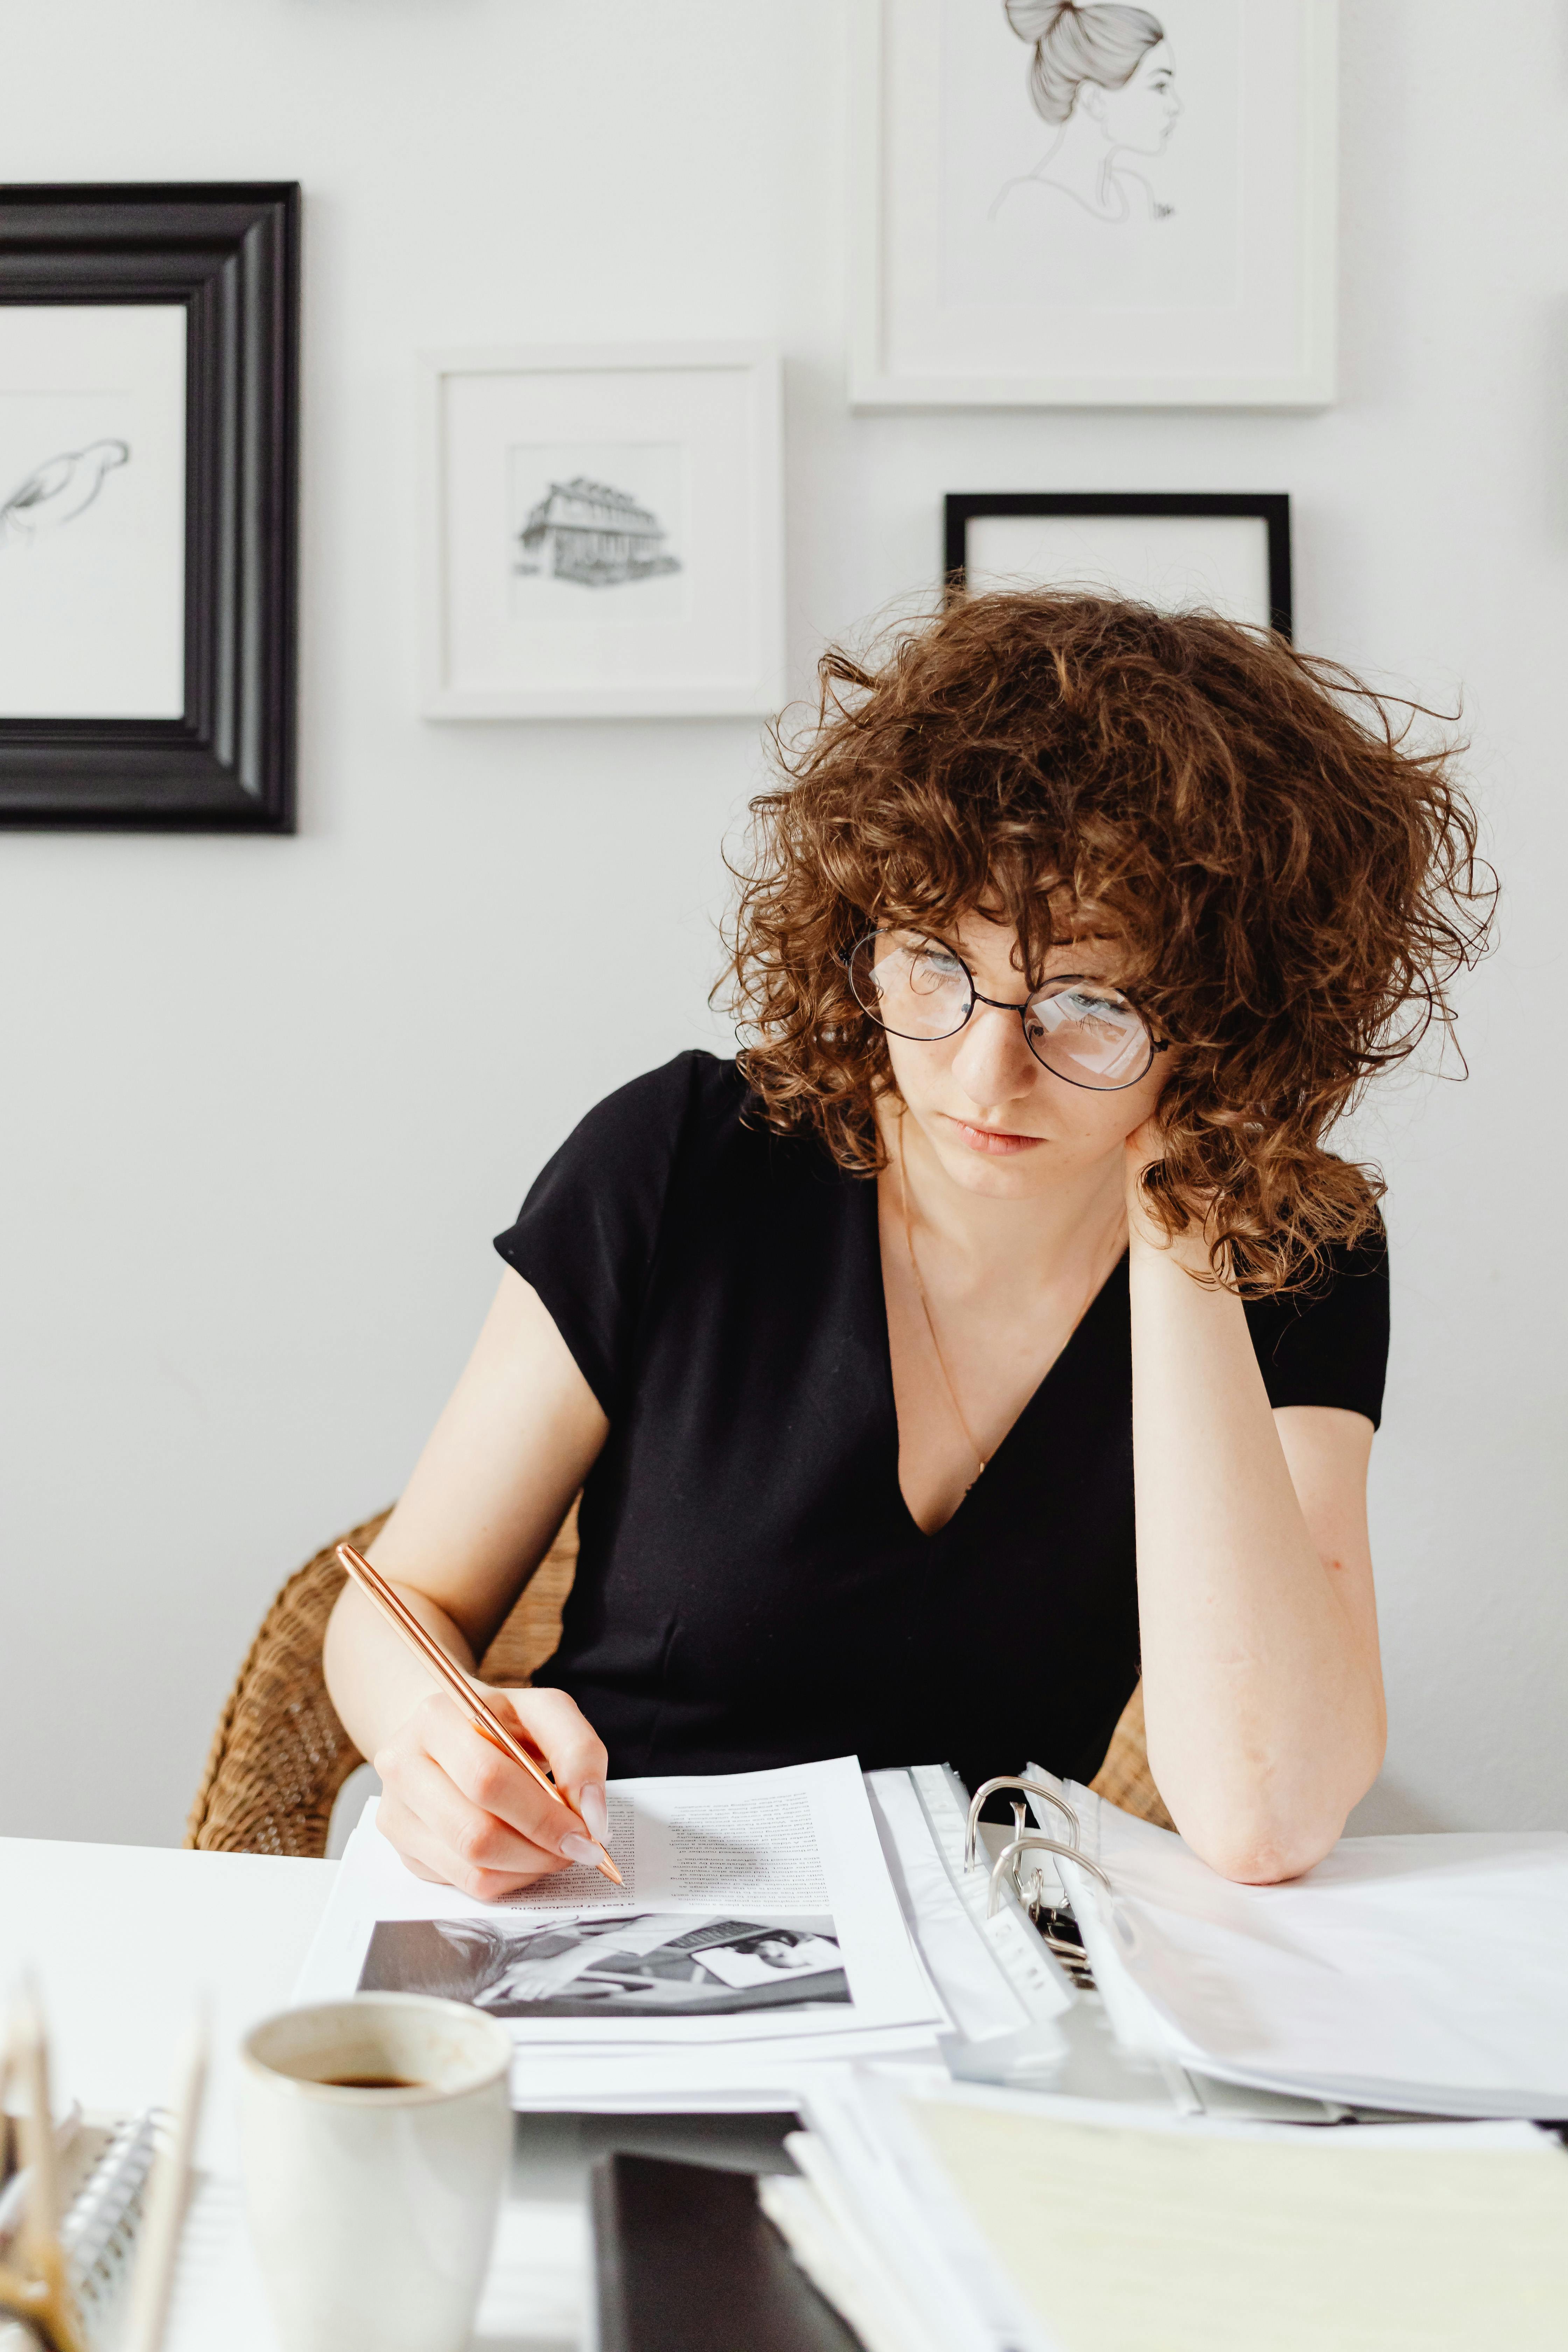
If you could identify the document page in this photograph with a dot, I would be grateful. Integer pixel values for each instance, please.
(1414, 1972)
(756, 1906)
(1203, 2241)
(1027, 2223)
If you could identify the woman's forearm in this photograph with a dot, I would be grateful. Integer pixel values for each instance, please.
(1263, 1697)
(375, 1680)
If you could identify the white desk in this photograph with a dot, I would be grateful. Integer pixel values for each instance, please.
(125, 1939)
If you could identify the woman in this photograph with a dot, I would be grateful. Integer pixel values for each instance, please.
(998, 1324)
(1103, 78)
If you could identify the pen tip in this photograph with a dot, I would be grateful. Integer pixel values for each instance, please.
(609, 1867)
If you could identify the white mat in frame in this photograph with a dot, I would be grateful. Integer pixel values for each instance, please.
(1168, 241)
(603, 533)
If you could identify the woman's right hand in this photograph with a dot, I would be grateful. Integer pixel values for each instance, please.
(463, 1814)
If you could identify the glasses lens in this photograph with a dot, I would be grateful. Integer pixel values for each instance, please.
(910, 985)
(1088, 1034)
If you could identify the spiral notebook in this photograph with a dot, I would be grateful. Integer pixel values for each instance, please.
(98, 2233)
(104, 2172)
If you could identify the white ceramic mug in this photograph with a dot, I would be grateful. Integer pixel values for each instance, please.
(375, 2134)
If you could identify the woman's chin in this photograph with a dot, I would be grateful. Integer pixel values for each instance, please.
(1000, 1174)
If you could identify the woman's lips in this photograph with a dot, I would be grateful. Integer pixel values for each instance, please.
(997, 1142)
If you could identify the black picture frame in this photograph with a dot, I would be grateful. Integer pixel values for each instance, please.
(1271, 507)
(229, 253)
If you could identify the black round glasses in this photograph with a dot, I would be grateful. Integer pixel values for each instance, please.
(1079, 1028)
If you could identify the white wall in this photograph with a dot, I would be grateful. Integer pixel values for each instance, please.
(266, 1100)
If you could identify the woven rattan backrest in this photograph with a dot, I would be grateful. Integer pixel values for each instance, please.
(1124, 1778)
(279, 1754)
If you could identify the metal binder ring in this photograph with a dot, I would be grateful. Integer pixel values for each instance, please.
(1010, 1780)
(1033, 1842)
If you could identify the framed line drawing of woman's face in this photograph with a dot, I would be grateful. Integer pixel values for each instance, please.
(1083, 202)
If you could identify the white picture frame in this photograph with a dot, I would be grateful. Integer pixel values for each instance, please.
(602, 532)
(1167, 244)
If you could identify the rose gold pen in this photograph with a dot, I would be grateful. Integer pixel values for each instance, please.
(484, 1719)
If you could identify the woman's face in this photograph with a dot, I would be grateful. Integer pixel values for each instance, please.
(1141, 114)
(999, 1122)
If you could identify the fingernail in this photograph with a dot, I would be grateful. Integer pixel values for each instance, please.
(594, 1811)
(578, 1848)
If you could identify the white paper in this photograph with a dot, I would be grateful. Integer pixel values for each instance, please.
(1421, 1972)
(995, 1973)
(1176, 247)
(92, 510)
(779, 1874)
(1177, 562)
(920, 2237)
(673, 461)
(814, 2213)
(946, 2180)
(1201, 2238)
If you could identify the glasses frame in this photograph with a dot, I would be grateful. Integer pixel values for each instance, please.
(1157, 1045)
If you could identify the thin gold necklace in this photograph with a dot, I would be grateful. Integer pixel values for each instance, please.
(925, 1310)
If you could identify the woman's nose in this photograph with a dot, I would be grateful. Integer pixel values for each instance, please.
(993, 1063)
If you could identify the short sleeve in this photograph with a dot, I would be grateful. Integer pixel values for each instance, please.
(1329, 1344)
(586, 1235)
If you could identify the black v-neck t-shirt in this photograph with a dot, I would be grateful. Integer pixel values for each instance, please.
(750, 1587)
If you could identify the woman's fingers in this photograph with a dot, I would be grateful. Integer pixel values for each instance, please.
(462, 1811)
(487, 1778)
(576, 1755)
(442, 1836)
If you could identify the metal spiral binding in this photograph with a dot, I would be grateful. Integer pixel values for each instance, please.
(98, 2233)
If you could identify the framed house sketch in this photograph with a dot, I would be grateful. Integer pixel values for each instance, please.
(1227, 551)
(603, 533)
(1093, 204)
(149, 405)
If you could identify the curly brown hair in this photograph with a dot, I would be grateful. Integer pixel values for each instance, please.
(1292, 883)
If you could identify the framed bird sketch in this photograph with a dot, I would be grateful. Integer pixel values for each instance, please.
(1060, 202)
(603, 533)
(1224, 552)
(149, 366)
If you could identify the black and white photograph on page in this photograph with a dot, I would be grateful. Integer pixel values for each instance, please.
(657, 1963)
(1063, 200)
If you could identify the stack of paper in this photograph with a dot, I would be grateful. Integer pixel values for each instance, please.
(1423, 1974)
(758, 1933)
(948, 2218)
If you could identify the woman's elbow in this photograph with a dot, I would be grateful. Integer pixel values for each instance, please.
(1258, 1845)
(1261, 1855)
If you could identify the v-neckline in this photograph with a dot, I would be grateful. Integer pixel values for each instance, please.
(934, 1535)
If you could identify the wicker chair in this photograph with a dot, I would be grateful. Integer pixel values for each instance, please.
(279, 1754)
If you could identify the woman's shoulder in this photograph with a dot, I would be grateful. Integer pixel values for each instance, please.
(693, 1127)
(1327, 1342)
(588, 1232)
(696, 1095)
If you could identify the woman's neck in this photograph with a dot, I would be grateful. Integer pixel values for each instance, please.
(1081, 164)
(1079, 1216)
